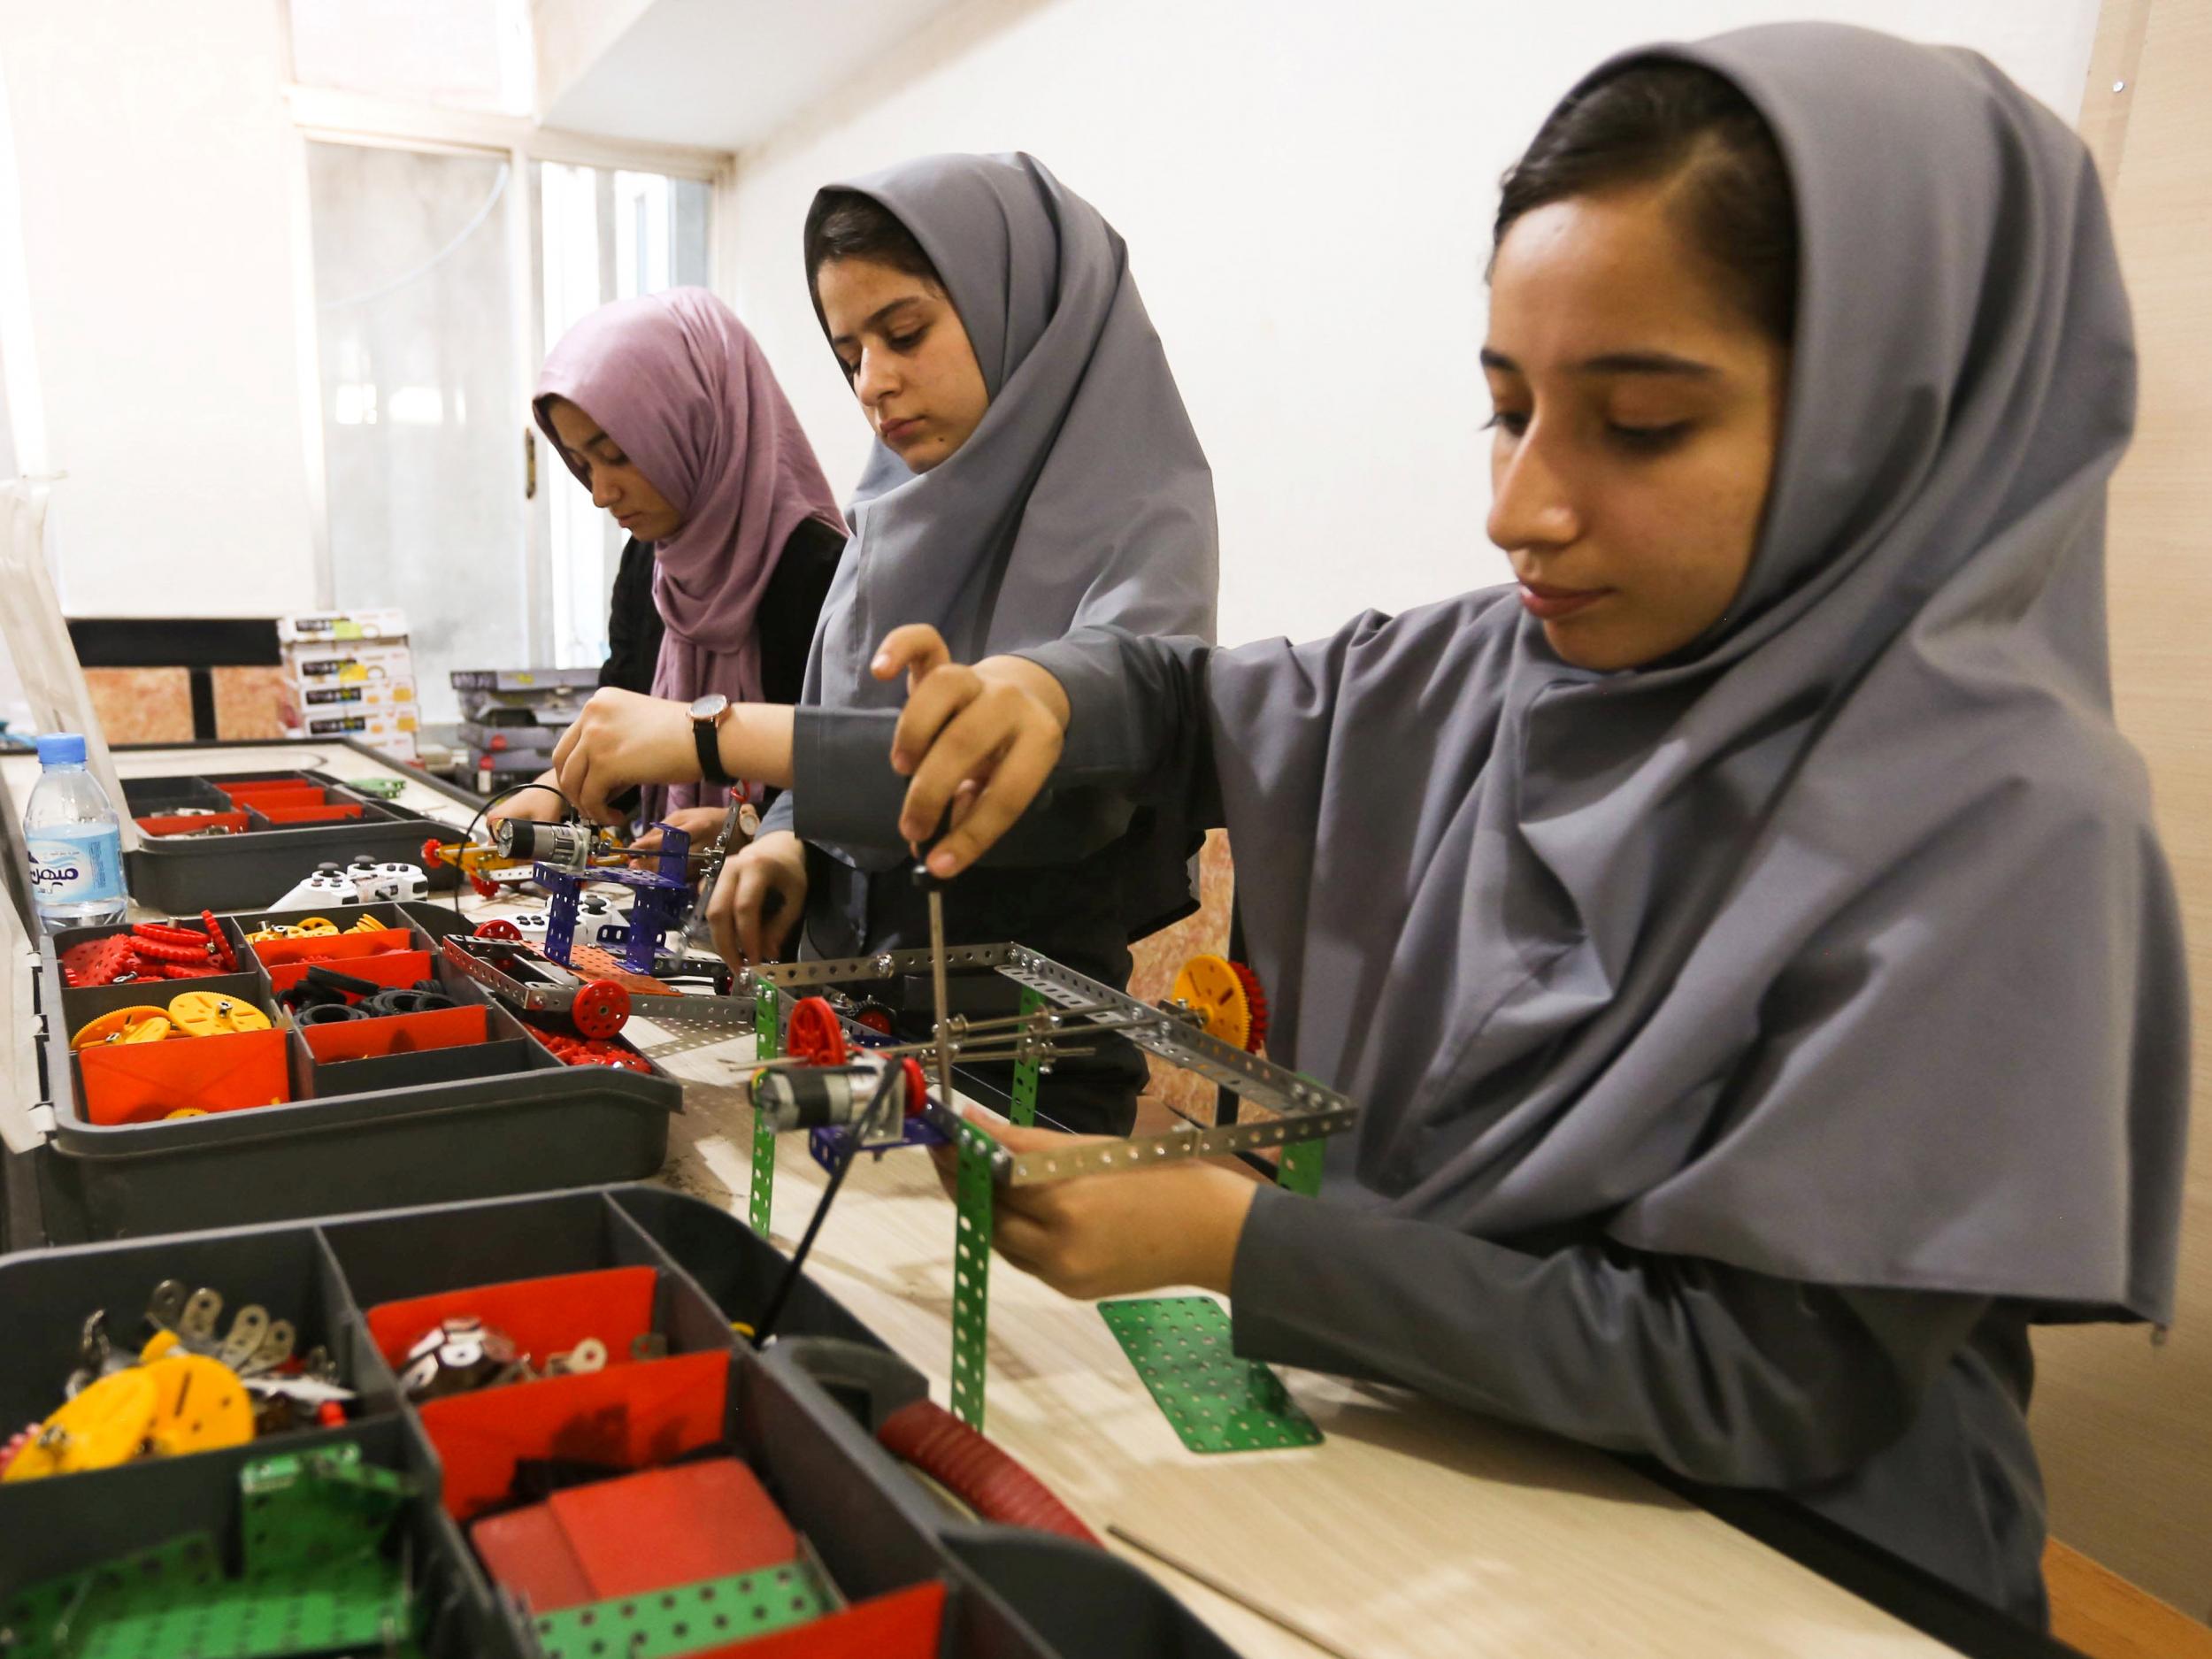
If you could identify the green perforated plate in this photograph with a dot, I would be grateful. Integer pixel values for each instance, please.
(1213, 1401)
(174, 1602)
(690, 1617)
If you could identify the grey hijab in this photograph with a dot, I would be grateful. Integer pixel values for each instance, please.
(1843, 950)
(1081, 497)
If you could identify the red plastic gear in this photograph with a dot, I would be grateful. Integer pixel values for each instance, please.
(431, 849)
(483, 885)
(224, 954)
(185, 970)
(876, 1017)
(99, 961)
(161, 950)
(916, 1087)
(498, 927)
(610, 1053)
(1257, 998)
(814, 1035)
(600, 1009)
(976, 1472)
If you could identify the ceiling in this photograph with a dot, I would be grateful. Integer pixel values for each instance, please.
(723, 74)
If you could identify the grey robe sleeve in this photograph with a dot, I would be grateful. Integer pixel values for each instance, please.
(779, 815)
(1723, 1375)
(845, 794)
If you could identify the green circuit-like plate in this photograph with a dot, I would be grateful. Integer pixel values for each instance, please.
(1213, 1401)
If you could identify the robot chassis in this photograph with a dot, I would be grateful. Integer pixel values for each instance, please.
(804, 1076)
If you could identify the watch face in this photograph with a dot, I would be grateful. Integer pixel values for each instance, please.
(707, 707)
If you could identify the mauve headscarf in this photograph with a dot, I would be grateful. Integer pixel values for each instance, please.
(1843, 949)
(682, 385)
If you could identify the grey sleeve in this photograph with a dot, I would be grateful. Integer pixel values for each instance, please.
(1727, 1375)
(779, 815)
(846, 794)
(1137, 718)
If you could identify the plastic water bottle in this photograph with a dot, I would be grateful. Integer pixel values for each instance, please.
(75, 840)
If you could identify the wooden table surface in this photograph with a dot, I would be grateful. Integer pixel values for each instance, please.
(1412, 1530)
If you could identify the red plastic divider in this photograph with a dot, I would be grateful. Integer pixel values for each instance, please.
(635, 1534)
(175, 824)
(543, 1315)
(305, 794)
(400, 968)
(398, 1033)
(334, 947)
(627, 1416)
(295, 815)
(143, 1082)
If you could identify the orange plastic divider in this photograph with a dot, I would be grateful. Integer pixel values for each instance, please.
(543, 1315)
(903, 1624)
(289, 815)
(143, 1082)
(175, 824)
(627, 1416)
(398, 1033)
(400, 968)
(334, 947)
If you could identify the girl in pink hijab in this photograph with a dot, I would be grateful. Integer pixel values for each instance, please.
(664, 408)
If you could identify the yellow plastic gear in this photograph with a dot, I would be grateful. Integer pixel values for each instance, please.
(104, 1425)
(313, 927)
(1210, 986)
(116, 1025)
(203, 1406)
(213, 1014)
(368, 925)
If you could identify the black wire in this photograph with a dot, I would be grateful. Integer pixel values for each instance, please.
(893, 1077)
(468, 834)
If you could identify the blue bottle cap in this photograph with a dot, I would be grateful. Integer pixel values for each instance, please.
(65, 749)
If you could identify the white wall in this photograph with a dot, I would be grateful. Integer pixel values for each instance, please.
(151, 143)
(1305, 187)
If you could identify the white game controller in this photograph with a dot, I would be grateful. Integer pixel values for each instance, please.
(364, 881)
(597, 923)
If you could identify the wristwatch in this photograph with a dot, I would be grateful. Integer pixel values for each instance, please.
(707, 715)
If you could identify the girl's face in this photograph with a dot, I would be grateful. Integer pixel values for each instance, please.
(616, 483)
(1639, 411)
(907, 356)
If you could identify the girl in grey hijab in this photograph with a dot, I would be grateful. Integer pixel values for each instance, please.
(1747, 936)
(1063, 486)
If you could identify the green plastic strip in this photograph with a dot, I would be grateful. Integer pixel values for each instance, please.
(971, 1272)
(1025, 1071)
(174, 1603)
(692, 1616)
(1215, 1401)
(768, 1044)
(307, 1510)
(1299, 1169)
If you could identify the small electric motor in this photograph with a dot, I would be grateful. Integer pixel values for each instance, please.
(564, 845)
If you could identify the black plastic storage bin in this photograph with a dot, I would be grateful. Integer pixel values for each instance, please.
(424, 1127)
(265, 861)
(1009, 1593)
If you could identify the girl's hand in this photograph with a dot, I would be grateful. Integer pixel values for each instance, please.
(620, 741)
(531, 805)
(981, 740)
(702, 824)
(1112, 1235)
(745, 932)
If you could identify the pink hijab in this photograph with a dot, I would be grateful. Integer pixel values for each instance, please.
(682, 385)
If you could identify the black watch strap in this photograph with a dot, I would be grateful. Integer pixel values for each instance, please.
(707, 736)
